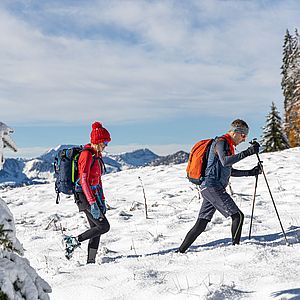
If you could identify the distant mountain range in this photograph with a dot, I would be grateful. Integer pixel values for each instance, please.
(17, 172)
(172, 159)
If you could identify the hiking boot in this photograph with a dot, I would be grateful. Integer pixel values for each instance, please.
(71, 244)
(91, 259)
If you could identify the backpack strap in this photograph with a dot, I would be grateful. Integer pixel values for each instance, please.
(102, 165)
(88, 149)
(93, 154)
(221, 138)
(93, 161)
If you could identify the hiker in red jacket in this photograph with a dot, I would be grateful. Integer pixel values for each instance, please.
(89, 195)
(219, 168)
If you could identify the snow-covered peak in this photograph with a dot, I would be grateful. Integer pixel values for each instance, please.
(27, 171)
(51, 153)
(137, 158)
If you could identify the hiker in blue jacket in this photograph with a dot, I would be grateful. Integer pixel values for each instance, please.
(221, 157)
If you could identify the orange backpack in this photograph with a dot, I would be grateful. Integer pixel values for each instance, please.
(198, 161)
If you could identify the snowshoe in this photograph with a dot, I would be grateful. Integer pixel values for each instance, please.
(71, 243)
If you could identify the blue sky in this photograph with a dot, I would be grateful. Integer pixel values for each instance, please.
(157, 74)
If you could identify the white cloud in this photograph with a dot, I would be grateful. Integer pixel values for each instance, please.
(146, 60)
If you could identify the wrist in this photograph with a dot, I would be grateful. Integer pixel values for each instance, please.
(246, 152)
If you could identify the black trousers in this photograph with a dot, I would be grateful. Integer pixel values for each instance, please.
(97, 227)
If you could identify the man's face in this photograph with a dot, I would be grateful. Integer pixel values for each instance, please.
(239, 138)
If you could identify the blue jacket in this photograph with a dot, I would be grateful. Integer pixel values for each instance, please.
(219, 164)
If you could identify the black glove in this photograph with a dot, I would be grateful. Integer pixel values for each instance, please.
(254, 149)
(255, 171)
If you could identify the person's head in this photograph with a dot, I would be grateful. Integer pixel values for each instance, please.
(238, 130)
(100, 137)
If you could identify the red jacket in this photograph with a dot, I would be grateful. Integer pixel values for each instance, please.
(90, 175)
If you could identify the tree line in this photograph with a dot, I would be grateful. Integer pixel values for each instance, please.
(277, 134)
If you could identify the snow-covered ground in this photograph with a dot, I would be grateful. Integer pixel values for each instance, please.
(18, 280)
(137, 260)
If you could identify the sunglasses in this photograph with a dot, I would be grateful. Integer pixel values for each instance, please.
(105, 143)
(243, 135)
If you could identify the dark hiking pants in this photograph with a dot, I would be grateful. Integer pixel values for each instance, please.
(97, 228)
(215, 199)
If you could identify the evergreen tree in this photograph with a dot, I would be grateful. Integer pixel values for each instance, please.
(295, 110)
(291, 87)
(273, 138)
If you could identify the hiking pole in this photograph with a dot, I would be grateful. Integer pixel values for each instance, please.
(260, 165)
(253, 204)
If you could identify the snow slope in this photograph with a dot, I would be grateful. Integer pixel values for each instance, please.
(137, 259)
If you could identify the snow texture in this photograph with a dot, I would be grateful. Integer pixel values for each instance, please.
(18, 280)
(137, 258)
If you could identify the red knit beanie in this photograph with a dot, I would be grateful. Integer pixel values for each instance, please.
(99, 134)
